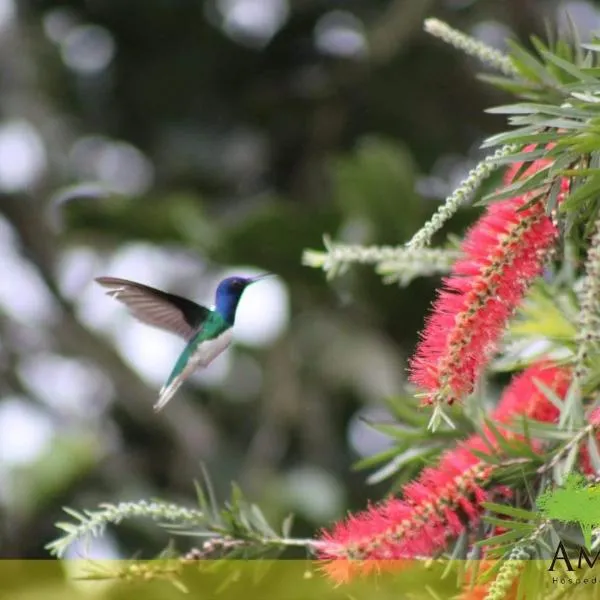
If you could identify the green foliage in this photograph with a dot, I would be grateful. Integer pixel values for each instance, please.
(370, 183)
(93, 523)
(413, 446)
(576, 502)
(237, 530)
(36, 485)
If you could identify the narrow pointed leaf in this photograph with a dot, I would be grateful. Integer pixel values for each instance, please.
(528, 65)
(568, 67)
(523, 527)
(511, 511)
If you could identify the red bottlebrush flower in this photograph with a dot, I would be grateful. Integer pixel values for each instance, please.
(434, 508)
(503, 252)
(585, 462)
(594, 417)
(443, 500)
(538, 164)
(524, 398)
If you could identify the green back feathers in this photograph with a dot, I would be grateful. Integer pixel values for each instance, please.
(214, 326)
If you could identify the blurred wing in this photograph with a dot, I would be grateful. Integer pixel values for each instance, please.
(158, 309)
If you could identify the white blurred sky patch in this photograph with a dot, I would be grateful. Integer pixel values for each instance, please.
(314, 493)
(155, 266)
(151, 352)
(363, 438)
(22, 155)
(26, 432)
(58, 23)
(77, 267)
(87, 49)
(585, 15)
(340, 33)
(446, 174)
(7, 14)
(118, 165)
(492, 33)
(102, 547)
(22, 293)
(68, 385)
(253, 22)
(77, 570)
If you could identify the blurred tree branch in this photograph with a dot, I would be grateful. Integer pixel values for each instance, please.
(395, 27)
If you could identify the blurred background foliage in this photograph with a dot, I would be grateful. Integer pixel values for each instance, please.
(174, 142)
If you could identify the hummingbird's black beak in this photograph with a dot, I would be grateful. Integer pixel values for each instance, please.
(259, 277)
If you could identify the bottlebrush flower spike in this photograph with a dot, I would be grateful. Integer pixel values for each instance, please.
(585, 461)
(502, 253)
(416, 526)
(524, 398)
(444, 499)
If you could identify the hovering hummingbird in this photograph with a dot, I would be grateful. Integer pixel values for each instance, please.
(208, 332)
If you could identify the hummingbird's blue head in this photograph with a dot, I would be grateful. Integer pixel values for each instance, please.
(228, 295)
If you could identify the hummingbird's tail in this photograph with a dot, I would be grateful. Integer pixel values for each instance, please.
(167, 392)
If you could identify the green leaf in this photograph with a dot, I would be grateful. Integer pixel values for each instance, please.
(595, 172)
(490, 574)
(566, 466)
(399, 462)
(379, 457)
(511, 511)
(572, 414)
(67, 527)
(489, 459)
(395, 430)
(568, 67)
(593, 452)
(521, 136)
(503, 538)
(406, 410)
(201, 498)
(539, 316)
(552, 202)
(518, 188)
(528, 66)
(261, 523)
(525, 157)
(549, 394)
(538, 430)
(75, 514)
(286, 526)
(517, 87)
(524, 528)
(529, 582)
(559, 123)
(212, 497)
(589, 190)
(533, 108)
(503, 444)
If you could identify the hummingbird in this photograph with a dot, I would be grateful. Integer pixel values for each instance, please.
(208, 332)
